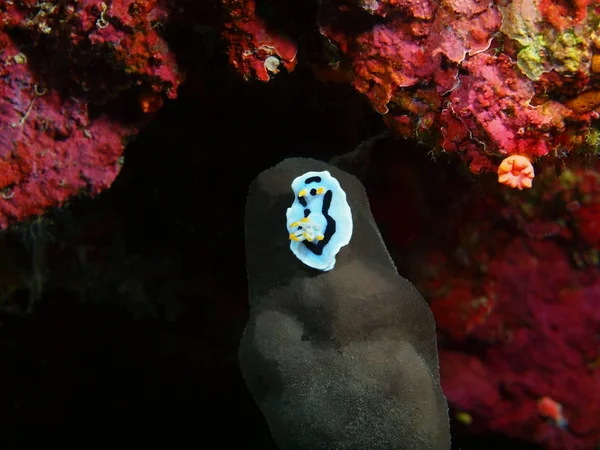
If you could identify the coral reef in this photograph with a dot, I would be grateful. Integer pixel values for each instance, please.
(254, 50)
(121, 35)
(513, 280)
(66, 72)
(539, 339)
(516, 300)
(481, 80)
(513, 277)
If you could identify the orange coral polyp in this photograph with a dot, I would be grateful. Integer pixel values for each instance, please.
(150, 102)
(516, 171)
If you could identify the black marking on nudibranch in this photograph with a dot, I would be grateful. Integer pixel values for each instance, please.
(321, 207)
(312, 180)
(317, 247)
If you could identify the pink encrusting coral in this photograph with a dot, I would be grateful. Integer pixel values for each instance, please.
(483, 80)
(49, 147)
(122, 33)
(57, 61)
(254, 50)
(516, 297)
(539, 340)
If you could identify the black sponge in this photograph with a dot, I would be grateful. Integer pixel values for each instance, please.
(345, 359)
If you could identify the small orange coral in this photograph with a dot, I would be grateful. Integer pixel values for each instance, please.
(516, 171)
(150, 102)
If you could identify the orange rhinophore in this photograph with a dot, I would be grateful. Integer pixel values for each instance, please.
(551, 409)
(516, 171)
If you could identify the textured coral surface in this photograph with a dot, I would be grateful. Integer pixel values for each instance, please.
(50, 149)
(514, 284)
(66, 71)
(540, 339)
(513, 277)
(254, 50)
(479, 79)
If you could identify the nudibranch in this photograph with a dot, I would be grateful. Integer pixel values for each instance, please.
(319, 222)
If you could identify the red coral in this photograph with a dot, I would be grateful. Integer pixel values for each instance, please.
(79, 54)
(122, 33)
(458, 309)
(565, 207)
(587, 222)
(538, 337)
(462, 61)
(420, 9)
(254, 50)
(562, 14)
(50, 149)
(389, 58)
(513, 280)
(539, 341)
(495, 99)
(135, 44)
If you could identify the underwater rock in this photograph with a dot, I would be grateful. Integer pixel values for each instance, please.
(50, 148)
(343, 359)
(513, 280)
(482, 80)
(254, 49)
(75, 81)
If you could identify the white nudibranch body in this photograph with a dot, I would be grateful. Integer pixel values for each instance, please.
(319, 222)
